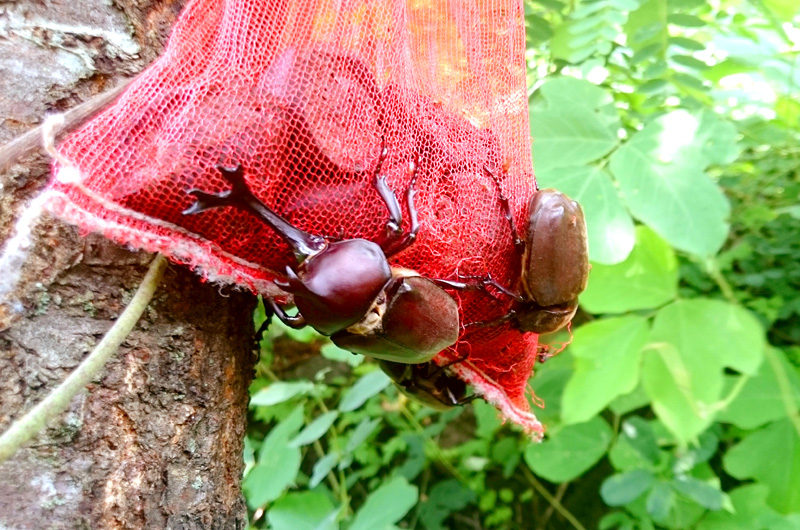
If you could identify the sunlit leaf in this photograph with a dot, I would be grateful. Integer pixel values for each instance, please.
(646, 279)
(660, 172)
(607, 358)
(575, 133)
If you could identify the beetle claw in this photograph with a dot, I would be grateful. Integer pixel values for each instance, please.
(206, 201)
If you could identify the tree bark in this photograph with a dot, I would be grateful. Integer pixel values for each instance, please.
(156, 440)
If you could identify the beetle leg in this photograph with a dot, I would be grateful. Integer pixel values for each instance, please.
(295, 322)
(477, 283)
(519, 244)
(262, 329)
(511, 315)
(394, 224)
(409, 238)
(395, 240)
(239, 196)
(468, 399)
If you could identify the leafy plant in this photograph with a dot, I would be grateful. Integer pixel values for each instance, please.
(675, 124)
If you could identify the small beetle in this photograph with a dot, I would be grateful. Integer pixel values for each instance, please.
(346, 288)
(428, 383)
(555, 264)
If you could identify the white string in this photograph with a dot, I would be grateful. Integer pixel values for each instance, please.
(16, 251)
(18, 247)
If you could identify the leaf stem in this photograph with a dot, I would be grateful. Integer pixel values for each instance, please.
(554, 502)
(785, 388)
(434, 448)
(712, 268)
(58, 400)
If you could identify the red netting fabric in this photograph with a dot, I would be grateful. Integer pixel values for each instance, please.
(304, 95)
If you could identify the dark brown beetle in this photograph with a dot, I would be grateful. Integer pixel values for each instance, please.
(346, 289)
(428, 383)
(555, 264)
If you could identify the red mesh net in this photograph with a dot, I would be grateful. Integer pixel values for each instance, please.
(304, 95)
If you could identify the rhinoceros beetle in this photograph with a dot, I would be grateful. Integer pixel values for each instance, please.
(555, 264)
(428, 383)
(346, 289)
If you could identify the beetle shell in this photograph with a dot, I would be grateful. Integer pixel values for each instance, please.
(419, 320)
(336, 288)
(427, 383)
(556, 259)
(546, 319)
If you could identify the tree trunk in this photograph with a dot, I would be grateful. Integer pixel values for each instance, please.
(156, 440)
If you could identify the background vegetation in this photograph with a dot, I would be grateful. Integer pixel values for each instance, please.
(676, 125)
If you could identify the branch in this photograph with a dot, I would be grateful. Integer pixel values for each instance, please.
(58, 400)
(73, 118)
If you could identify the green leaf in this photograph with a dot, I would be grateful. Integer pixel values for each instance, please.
(572, 134)
(667, 380)
(701, 492)
(653, 86)
(609, 225)
(647, 26)
(641, 437)
(620, 489)
(749, 512)
(279, 392)
(278, 464)
(689, 61)
(630, 401)
(607, 358)
(692, 343)
(386, 505)
(315, 429)
(568, 136)
(786, 10)
(570, 451)
(487, 419)
(334, 353)
(567, 92)
(687, 44)
(647, 278)
(771, 456)
(322, 467)
(758, 402)
(537, 30)
(719, 333)
(686, 21)
(549, 382)
(308, 510)
(363, 389)
(572, 47)
(445, 497)
(361, 433)
(660, 172)
(660, 501)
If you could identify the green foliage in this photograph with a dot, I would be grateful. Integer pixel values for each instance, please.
(676, 404)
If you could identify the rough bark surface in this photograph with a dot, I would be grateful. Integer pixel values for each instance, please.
(156, 441)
